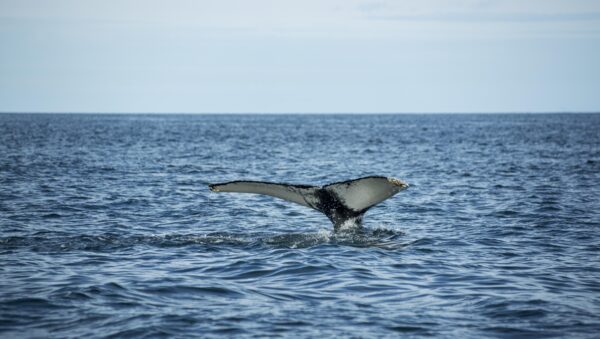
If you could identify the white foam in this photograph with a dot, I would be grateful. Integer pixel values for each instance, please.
(350, 225)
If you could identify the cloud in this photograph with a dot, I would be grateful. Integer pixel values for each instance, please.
(318, 18)
(483, 10)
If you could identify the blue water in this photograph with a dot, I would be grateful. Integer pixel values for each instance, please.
(108, 228)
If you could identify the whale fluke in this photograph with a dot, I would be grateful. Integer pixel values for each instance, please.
(341, 201)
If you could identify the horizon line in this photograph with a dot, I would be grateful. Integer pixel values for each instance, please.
(301, 113)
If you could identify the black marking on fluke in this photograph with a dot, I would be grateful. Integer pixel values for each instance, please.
(332, 206)
(341, 202)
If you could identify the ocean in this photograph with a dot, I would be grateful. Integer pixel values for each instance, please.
(108, 229)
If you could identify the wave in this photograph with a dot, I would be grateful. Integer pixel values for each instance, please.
(380, 238)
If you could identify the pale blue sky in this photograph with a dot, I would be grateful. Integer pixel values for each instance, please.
(299, 56)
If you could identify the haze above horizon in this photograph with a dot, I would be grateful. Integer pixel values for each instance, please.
(311, 56)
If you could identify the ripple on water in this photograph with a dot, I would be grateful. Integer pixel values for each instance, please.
(107, 228)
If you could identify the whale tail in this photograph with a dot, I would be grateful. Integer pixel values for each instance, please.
(343, 202)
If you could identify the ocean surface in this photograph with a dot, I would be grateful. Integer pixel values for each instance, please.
(107, 227)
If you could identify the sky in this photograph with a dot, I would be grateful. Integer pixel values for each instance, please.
(312, 56)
